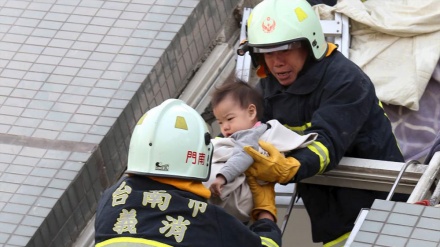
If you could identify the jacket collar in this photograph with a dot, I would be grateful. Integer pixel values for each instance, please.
(195, 187)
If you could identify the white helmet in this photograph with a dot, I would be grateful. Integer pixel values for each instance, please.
(171, 140)
(280, 24)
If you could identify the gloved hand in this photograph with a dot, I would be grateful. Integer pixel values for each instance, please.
(272, 168)
(263, 196)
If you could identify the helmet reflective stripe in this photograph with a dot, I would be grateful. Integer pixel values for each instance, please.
(171, 140)
(289, 46)
(278, 22)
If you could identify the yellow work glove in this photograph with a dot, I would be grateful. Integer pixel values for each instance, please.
(263, 196)
(272, 168)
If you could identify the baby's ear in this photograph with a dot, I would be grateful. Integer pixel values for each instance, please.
(252, 110)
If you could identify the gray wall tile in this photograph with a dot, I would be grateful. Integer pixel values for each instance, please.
(76, 73)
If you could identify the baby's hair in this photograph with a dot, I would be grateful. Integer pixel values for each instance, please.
(241, 92)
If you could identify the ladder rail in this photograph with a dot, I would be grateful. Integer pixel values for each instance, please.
(373, 174)
(399, 177)
(435, 198)
(421, 190)
(361, 173)
(243, 65)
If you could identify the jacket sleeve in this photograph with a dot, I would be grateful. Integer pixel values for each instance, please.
(240, 161)
(268, 231)
(342, 110)
(261, 233)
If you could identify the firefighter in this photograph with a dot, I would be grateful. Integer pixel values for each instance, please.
(161, 201)
(309, 86)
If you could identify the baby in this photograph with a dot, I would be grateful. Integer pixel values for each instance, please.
(237, 108)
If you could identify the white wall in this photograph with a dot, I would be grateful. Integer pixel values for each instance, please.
(298, 231)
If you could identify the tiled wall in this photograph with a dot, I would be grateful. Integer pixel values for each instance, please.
(75, 75)
(391, 223)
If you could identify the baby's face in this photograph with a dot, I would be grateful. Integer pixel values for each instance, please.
(232, 118)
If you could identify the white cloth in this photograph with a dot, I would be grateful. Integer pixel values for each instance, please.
(395, 42)
(236, 196)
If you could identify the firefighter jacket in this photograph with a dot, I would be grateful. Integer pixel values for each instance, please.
(138, 211)
(335, 99)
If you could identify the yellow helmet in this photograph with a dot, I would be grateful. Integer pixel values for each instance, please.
(275, 25)
(171, 140)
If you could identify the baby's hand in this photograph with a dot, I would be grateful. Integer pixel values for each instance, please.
(217, 186)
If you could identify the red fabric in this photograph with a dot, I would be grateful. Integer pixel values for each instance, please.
(423, 202)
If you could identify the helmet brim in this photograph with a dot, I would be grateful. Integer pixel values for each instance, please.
(267, 49)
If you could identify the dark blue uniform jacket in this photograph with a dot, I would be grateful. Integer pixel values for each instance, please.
(335, 99)
(140, 208)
